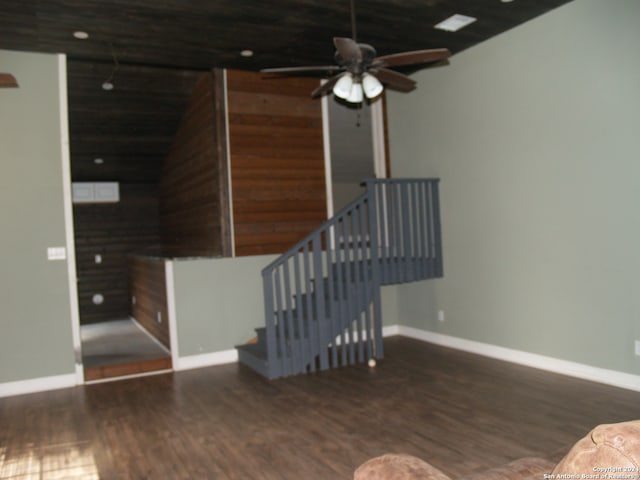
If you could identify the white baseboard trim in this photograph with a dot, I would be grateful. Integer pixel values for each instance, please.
(541, 362)
(35, 385)
(391, 330)
(206, 360)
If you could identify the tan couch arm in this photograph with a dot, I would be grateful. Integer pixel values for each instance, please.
(529, 468)
(397, 467)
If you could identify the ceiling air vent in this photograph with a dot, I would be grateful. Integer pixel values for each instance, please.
(455, 23)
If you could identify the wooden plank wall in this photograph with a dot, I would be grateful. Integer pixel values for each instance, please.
(277, 161)
(130, 129)
(113, 231)
(148, 287)
(194, 209)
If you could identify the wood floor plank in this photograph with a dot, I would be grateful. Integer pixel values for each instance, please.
(461, 412)
(127, 368)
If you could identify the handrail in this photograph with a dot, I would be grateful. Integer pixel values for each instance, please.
(319, 229)
(322, 296)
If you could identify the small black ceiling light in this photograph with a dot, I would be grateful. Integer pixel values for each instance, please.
(108, 84)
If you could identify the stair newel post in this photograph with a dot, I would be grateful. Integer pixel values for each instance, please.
(355, 291)
(338, 272)
(437, 233)
(332, 301)
(405, 227)
(431, 252)
(310, 326)
(319, 307)
(367, 288)
(291, 340)
(373, 201)
(414, 194)
(424, 229)
(281, 334)
(349, 307)
(269, 315)
(303, 337)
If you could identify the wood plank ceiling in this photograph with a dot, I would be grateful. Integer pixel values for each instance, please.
(154, 51)
(196, 34)
(159, 44)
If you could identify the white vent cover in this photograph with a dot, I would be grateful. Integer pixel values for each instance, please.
(455, 23)
(95, 192)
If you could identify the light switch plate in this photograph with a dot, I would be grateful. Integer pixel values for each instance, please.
(56, 253)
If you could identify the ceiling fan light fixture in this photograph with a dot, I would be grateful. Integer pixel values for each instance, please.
(371, 86)
(343, 87)
(356, 93)
(359, 72)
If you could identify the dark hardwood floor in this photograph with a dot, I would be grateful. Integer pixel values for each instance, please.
(461, 412)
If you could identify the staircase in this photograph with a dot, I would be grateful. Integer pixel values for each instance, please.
(322, 297)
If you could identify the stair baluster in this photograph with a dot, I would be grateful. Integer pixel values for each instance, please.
(322, 297)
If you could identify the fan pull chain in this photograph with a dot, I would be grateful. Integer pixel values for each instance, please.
(353, 20)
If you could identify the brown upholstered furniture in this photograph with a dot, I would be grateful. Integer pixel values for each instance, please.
(608, 452)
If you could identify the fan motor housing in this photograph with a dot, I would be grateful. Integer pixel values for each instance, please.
(359, 66)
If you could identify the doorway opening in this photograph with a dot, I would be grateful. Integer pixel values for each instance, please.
(357, 148)
(119, 139)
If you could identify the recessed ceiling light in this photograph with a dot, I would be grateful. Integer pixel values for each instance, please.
(107, 86)
(80, 35)
(455, 23)
(247, 53)
(98, 161)
(506, 1)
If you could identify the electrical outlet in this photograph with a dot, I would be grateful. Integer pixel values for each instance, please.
(441, 315)
(638, 347)
(159, 317)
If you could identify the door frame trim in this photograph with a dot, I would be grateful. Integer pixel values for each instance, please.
(326, 139)
(378, 139)
(68, 218)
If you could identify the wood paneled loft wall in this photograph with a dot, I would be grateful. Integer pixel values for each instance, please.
(122, 135)
(277, 161)
(149, 296)
(194, 208)
(181, 207)
(113, 231)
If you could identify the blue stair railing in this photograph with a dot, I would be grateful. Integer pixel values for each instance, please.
(322, 297)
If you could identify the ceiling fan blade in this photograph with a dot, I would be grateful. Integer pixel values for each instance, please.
(394, 80)
(411, 58)
(7, 80)
(348, 50)
(327, 86)
(293, 70)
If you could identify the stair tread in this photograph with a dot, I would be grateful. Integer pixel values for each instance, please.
(255, 349)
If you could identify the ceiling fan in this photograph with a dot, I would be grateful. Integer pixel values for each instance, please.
(359, 72)
(7, 80)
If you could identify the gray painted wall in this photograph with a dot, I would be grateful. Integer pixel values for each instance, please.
(536, 136)
(219, 302)
(35, 339)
